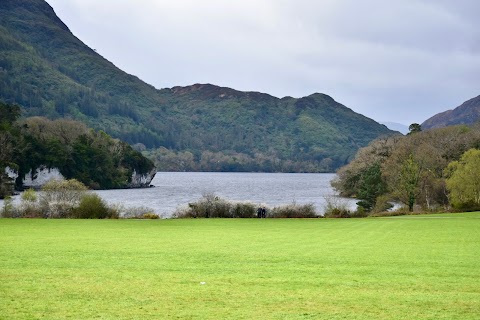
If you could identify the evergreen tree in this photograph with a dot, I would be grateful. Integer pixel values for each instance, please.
(370, 187)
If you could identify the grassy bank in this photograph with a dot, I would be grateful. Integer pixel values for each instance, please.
(411, 267)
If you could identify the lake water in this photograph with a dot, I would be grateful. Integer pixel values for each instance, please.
(177, 189)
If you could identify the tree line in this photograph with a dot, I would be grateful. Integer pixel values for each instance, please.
(92, 157)
(438, 169)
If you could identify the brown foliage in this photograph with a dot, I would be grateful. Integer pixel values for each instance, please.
(431, 151)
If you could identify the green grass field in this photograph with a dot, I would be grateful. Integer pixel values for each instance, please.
(411, 267)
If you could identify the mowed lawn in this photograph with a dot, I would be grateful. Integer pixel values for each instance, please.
(411, 267)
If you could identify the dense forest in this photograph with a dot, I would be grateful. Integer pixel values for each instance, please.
(432, 170)
(90, 156)
(49, 72)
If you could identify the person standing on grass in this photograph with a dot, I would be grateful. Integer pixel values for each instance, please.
(259, 212)
(264, 212)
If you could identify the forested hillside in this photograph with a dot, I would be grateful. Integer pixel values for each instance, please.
(49, 72)
(92, 157)
(433, 169)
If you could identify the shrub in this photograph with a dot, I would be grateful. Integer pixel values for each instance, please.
(29, 207)
(92, 206)
(243, 210)
(211, 206)
(383, 204)
(391, 213)
(60, 197)
(150, 216)
(336, 207)
(293, 211)
(139, 213)
(8, 210)
(402, 211)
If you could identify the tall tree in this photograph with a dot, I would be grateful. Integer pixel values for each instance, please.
(371, 186)
(8, 145)
(414, 128)
(408, 182)
(463, 180)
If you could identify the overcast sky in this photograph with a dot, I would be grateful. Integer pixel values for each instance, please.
(397, 60)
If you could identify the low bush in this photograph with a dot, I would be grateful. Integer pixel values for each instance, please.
(150, 216)
(139, 213)
(29, 207)
(244, 210)
(390, 213)
(403, 211)
(337, 213)
(293, 211)
(8, 209)
(337, 207)
(92, 206)
(211, 206)
(383, 204)
(60, 197)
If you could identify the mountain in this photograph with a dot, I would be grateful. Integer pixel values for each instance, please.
(467, 113)
(403, 129)
(49, 72)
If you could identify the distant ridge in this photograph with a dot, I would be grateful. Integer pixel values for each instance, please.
(403, 129)
(49, 72)
(467, 113)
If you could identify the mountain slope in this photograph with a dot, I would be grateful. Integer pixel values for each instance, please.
(467, 113)
(49, 72)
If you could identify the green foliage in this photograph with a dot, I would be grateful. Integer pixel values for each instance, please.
(409, 177)
(6, 185)
(8, 209)
(293, 210)
(61, 199)
(462, 181)
(92, 206)
(29, 195)
(90, 156)
(9, 113)
(9, 141)
(211, 206)
(243, 210)
(349, 177)
(243, 132)
(51, 73)
(371, 185)
(412, 167)
(414, 128)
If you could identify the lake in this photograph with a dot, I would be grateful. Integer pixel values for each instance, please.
(176, 189)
